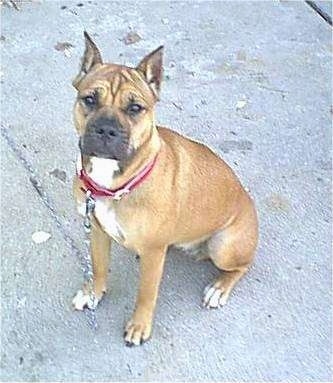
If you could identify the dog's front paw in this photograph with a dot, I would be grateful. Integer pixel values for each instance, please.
(137, 332)
(83, 300)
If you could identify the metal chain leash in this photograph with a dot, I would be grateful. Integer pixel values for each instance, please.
(90, 207)
(88, 270)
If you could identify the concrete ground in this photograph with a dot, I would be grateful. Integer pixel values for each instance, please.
(252, 80)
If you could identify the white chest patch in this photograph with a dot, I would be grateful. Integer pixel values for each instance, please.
(103, 170)
(102, 173)
(108, 220)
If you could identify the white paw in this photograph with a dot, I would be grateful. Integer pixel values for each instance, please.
(83, 300)
(214, 297)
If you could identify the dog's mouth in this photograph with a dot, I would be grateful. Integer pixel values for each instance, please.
(93, 146)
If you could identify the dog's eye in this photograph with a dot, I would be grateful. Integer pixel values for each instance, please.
(89, 101)
(134, 109)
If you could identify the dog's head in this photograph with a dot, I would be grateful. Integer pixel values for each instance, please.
(114, 109)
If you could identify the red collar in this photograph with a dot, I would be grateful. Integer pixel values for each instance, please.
(100, 191)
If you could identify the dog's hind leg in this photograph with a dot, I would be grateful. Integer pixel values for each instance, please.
(232, 251)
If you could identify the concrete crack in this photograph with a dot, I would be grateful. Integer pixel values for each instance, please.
(49, 204)
(320, 11)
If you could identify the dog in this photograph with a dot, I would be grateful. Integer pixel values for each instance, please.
(152, 187)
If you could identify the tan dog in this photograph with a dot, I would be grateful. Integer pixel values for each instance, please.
(185, 194)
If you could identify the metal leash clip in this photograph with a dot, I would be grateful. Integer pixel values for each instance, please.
(90, 206)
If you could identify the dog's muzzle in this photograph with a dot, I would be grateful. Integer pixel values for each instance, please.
(105, 138)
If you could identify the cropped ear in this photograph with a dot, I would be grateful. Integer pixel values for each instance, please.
(91, 57)
(152, 69)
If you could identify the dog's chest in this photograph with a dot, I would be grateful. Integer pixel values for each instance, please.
(107, 218)
(102, 171)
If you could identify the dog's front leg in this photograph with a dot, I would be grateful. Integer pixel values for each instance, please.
(138, 329)
(100, 244)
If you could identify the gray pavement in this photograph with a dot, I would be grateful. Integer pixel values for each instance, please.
(252, 80)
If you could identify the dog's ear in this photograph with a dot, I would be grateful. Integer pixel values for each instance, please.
(91, 57)
(152, 68)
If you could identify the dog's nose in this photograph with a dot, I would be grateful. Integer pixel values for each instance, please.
(106, 128)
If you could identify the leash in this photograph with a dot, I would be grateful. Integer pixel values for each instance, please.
(90, 207)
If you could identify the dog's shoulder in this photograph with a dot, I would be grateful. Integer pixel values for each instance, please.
(166, 133)
(177, 140)
(172, 137)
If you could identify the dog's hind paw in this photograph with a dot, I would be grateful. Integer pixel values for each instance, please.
(83, 300)
(214, 297)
